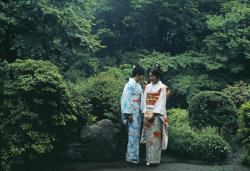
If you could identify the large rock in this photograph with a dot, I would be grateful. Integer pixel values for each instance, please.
(97, 143)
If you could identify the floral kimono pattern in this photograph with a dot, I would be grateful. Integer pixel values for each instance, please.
(131, 103)
(154, 132)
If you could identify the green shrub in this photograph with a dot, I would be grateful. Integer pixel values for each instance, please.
(239, 93)
(206, 144)
(104, 91)
(36, 110)
(210, 146)
(83, 114)
(178, 116)
(212, 108)
(181, 139)
(244, 115)
(181, 135)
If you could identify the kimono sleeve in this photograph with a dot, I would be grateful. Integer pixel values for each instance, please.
(144, 105)
(126, 99)
(161, 102)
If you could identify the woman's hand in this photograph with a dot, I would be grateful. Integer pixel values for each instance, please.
(130, 118)
(148, 116)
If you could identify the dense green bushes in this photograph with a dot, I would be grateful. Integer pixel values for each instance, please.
(36, 111)
(211, 146)
(181, 139)
(83, 114)
(178, 116)
(244, 115)
(211, 108)
(239, 93)
(206, 144)
(104, 91)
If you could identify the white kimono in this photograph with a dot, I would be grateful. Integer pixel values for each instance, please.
(154, 132)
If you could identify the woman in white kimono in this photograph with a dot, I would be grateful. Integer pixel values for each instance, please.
(154, 133)
(131, 106)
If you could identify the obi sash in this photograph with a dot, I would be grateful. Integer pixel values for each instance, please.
(136, 100)
(152, 98)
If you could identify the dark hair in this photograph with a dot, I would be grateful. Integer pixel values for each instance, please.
(137, 69)
(156, 71)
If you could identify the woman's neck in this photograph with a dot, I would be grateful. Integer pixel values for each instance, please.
(136, 79)
(155, 82)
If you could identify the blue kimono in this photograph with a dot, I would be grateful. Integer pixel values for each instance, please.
(131, 103)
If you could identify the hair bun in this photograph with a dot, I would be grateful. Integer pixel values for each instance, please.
(137, 69)
(158, 66)
(135, 65)
(156, 70)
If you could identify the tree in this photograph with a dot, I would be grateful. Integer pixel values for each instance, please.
(186, 74)
(59, 31)
(171, 26)
(109, 26)
(228, 46)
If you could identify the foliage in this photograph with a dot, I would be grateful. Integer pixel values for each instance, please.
(211, 146)
(205, 144)
(3, 65)
(229, 46)
(181, 139)
(212, 108)
(109, 26)
(83, 114)
(200, 44)
(37, 111)
(178, 116)
(172, 26)
(182, 36)
(83, 68)
(104, 91)
(132, 57)
(244, 115)
(169, 26)
(59, 31)
(186, 74)
(239, 93)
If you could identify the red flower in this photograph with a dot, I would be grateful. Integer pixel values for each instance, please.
(160, 91)
(157, 134)
(150, 143)
(166, 120)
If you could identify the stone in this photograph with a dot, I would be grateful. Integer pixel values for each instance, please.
(97, 143)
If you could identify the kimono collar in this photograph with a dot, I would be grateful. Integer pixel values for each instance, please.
(158, 82)
(132, 80)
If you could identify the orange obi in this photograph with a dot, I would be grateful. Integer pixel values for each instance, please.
(152, 98)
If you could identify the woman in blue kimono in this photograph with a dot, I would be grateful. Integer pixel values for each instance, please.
(131, 106)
